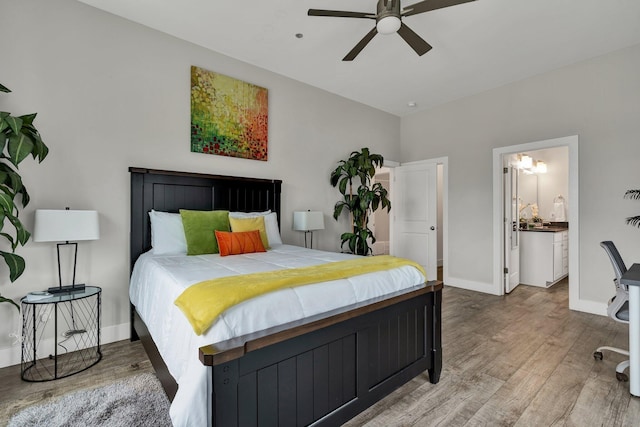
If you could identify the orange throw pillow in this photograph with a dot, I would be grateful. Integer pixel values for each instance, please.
(240, 242)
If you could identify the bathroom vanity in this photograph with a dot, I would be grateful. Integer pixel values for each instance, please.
(544, 255)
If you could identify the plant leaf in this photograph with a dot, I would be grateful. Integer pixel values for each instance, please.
(15, 123)
(6, 203)
(343, 185)
(20, 146)
(15, 182)
(3, 299)
(27, 119)
(22, 234)
(632, 194)
(634, 221)
(4, 89)
(16, 264)
(337, 210)
(9, 237)
(25, 196)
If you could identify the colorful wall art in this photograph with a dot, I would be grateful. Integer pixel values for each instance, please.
(229, 117)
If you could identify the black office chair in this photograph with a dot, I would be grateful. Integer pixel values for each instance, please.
(618, 308)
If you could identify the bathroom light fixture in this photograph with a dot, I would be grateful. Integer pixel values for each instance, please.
(540, 167)
(524, 161)
(530, 166)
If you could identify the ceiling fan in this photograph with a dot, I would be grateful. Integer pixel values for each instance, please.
(389, 20)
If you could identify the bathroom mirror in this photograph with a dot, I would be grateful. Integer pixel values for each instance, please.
(528, 191)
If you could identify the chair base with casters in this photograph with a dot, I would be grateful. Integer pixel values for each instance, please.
(618, 308)
(621, 367)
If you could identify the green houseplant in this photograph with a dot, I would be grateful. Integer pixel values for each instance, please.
(359, 197)
(633, 194)
(19, 139)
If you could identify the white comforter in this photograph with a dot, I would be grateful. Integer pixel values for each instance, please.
(157, 280)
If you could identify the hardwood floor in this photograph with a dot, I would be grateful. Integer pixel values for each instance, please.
(519, 360)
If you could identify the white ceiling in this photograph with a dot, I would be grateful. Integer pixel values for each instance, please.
(476, 46)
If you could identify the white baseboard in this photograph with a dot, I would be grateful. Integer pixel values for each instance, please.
(471, 285)
(586, 306)
(591, 307)
(12, 355)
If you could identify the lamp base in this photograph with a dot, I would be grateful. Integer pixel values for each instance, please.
(66, 289)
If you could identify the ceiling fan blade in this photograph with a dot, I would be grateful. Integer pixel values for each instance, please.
(427, 5)
(415, 41)
(340, 14)
(358, 48)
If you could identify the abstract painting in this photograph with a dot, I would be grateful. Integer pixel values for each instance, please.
(229, 117)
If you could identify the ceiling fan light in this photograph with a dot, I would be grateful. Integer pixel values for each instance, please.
(388, 25)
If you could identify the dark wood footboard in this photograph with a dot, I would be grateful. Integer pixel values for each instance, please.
(326, 371)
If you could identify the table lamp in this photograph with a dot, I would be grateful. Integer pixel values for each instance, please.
(67, 226)
(308, 221)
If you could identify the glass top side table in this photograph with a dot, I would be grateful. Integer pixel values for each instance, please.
(60, 334)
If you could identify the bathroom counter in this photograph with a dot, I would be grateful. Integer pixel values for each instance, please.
(544, 255)
(547, 229)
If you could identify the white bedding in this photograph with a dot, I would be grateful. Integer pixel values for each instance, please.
(157, 280)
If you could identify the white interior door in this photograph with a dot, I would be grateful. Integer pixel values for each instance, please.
(414, 213)
(511, 237)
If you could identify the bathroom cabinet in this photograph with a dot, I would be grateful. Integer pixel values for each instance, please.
(544, 257)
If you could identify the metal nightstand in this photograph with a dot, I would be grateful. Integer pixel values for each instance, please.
(73, 320)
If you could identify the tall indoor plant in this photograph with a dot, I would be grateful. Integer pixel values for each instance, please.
(359, 197)
(633, 194)
(19, 139)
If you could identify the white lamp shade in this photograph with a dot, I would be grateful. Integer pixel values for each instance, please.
(308, 220)
(65, 225)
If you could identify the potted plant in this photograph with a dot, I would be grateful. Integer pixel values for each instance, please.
(359, 197)
(19, 138)
(633, 194)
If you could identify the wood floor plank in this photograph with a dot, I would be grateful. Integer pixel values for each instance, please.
(557, 399)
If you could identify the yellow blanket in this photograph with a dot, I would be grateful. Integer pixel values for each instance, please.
(203, 302)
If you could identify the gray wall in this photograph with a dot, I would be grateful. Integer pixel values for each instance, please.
(112, 94)
(596, 100)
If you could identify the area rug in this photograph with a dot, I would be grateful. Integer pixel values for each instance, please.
(136, 401)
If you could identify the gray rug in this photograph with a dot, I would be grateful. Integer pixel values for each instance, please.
(136, 401)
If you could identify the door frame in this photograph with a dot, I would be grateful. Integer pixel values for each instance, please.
(444, 162)
(574, 218)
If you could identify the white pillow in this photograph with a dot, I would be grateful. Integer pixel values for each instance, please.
(167, 233)
(270, 224)
(248, 214)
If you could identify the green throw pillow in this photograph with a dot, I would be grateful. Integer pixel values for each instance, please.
(199, 230)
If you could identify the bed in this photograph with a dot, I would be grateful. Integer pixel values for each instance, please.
(322, 369)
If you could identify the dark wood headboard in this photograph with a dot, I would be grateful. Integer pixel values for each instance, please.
(170, 191)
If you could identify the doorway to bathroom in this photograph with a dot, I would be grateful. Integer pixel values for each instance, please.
(536, 189)
(548, 196)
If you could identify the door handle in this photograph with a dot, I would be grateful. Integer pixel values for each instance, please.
(432, 228)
